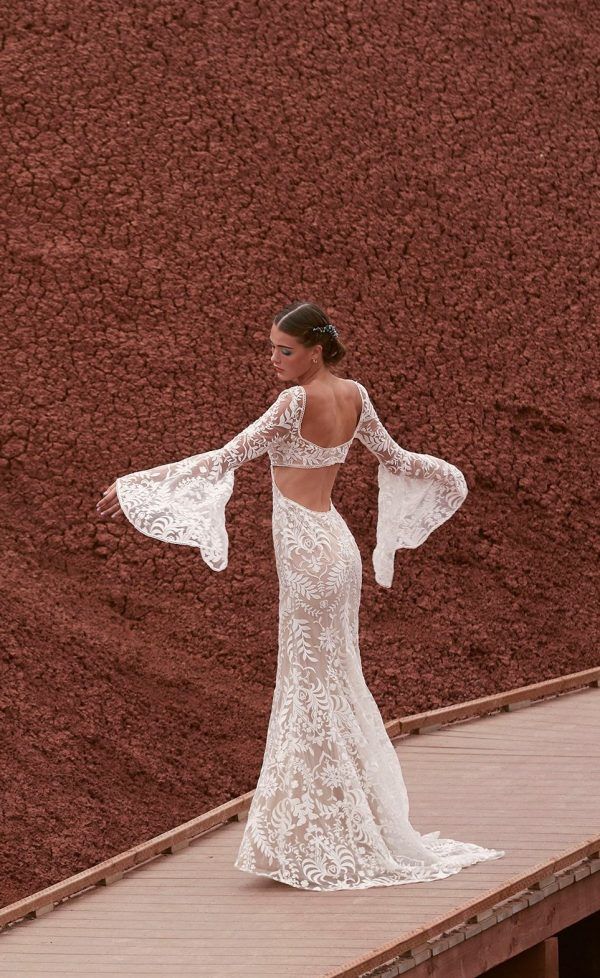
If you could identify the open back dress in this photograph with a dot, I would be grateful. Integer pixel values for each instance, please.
(330, 809)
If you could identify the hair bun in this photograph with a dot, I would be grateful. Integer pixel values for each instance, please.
(329, 328)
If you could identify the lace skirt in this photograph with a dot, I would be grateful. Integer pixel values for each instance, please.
(330, 809)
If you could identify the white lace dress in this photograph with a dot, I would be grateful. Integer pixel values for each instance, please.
(330, 809)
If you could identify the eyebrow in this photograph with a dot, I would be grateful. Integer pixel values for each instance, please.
(280, 345)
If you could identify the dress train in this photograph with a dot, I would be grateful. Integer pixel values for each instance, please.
(330, 809)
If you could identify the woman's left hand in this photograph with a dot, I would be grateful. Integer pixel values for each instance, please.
(109, 504)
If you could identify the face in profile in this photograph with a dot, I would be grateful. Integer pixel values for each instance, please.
(289, 358)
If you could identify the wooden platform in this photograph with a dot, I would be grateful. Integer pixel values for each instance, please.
(524, 780)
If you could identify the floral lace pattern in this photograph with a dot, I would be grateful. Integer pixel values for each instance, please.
(298, 451)
(330, 810)
(184, 502)
(417, 492)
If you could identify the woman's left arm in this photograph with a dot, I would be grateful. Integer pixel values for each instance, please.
(417, 493)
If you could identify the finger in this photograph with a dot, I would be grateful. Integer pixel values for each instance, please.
(107, 495)
(106, 500)
(113, 510)
(106, 513)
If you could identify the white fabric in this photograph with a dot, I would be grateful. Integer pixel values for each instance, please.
(330, 809)
(184, 502)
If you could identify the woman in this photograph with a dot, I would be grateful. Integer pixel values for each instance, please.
(330, 810)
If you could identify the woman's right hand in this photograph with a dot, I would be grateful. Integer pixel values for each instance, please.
(109, 504)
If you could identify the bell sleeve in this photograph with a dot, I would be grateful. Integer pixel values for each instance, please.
(417, 493)
(184, 501)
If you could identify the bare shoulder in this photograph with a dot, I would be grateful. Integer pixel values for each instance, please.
(349, 389)
(355, 393)
(320, 392)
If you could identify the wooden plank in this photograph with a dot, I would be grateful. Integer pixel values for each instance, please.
(195, 908)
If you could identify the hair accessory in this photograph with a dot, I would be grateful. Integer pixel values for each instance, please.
(329, 328)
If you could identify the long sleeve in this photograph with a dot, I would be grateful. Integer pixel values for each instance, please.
(417, 493)
(184, 501)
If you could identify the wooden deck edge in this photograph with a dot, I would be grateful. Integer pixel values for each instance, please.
(171, 841)
(401, 957)
(512, 699)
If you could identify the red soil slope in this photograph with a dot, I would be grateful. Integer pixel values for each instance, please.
(174, 173)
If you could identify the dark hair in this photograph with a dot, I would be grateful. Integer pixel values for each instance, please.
(299, 320)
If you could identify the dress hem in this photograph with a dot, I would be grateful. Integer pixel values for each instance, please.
(443, 873)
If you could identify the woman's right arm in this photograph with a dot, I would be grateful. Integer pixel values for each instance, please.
(184, 501)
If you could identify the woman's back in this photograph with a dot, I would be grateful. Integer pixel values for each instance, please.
(329, 418)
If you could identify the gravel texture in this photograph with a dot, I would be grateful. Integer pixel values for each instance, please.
(174, 173)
